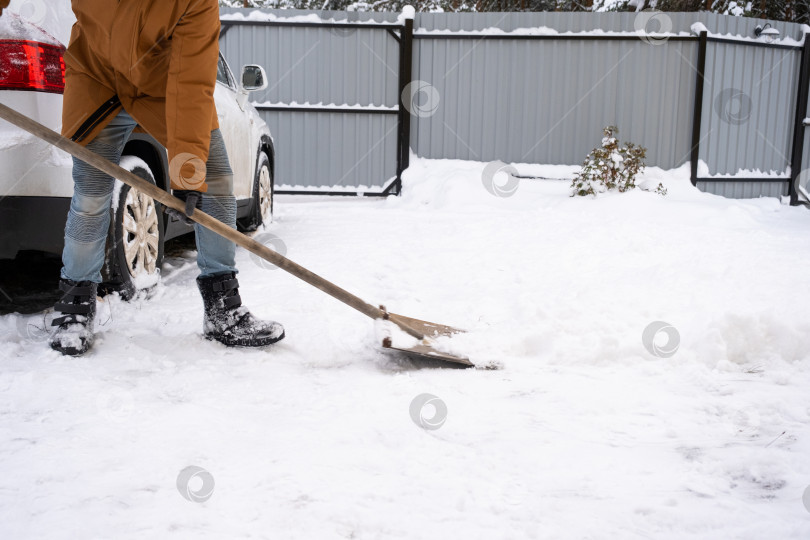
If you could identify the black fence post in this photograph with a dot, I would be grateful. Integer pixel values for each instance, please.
(697, 118)
(801, 113)
(405, 74)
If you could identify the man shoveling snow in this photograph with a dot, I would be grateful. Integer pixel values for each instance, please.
(162, 77)
(150, 64)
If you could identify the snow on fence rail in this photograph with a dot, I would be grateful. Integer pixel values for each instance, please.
(525, 87)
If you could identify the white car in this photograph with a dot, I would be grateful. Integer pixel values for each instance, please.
(35, 178)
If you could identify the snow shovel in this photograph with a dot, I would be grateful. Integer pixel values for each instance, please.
(423, 331)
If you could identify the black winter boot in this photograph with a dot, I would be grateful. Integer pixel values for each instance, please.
(74, 335)
(227, 321)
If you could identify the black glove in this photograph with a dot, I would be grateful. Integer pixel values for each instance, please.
(193, 200)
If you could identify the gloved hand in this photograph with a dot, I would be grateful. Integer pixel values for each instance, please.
(193, 200)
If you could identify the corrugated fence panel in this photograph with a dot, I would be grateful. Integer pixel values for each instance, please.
(540, 101)
(804, 179)
(744, 190)
(330, 150)
(609, 22)
(749, 104)
(324, 66)
(738, 26)
(546, 101)
(318, 65)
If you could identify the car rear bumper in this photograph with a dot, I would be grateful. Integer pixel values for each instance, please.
(32, 223)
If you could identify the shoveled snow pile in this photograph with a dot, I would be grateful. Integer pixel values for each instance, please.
(653, 384)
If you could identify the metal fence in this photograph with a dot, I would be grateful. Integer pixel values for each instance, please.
(331, 103)
(351, 94)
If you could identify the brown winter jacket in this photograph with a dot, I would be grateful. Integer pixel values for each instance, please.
(157, 59)
(3, 4)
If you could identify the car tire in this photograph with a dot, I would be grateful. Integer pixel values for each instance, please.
(134, 251)
(261, 203)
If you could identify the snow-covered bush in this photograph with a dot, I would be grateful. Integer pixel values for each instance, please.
(610, 167)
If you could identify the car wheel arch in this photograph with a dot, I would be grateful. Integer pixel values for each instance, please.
(264, 153)
(150, 151)
(266, 146)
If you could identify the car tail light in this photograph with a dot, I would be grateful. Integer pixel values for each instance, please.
(30, 65)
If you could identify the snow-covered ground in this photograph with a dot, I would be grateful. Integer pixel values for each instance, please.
(582, 433)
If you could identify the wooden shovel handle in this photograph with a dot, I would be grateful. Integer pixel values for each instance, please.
(158, 194)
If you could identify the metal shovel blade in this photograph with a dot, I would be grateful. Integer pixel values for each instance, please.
(424, 348)
(426, 328)
(426, 351)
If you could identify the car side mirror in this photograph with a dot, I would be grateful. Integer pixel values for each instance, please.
(253, 78)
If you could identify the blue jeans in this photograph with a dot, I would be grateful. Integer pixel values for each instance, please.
(89, 216)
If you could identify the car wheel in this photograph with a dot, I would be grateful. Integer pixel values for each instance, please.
(261, 204)
(135, 240)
